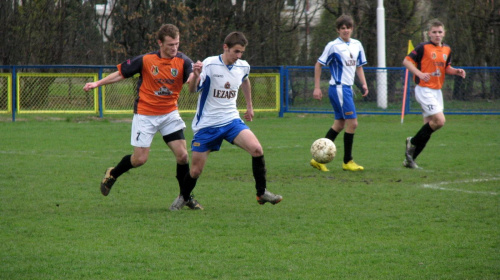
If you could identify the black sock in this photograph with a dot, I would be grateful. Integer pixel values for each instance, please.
(259, 173)
(422, 135)
(123, 166)
(421, 138)
(420, 148)
(348, 140)
(331, 134)
(188, 186)
(182, 170)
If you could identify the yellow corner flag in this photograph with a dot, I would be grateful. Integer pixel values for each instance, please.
(410, 49)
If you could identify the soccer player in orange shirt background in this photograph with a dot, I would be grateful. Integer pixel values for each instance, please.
(429, 62)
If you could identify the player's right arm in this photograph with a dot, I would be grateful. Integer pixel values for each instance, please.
(111, 78)
(415, 71)
(194, 78)
(317, 94)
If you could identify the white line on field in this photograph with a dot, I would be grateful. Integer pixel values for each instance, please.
(438, 186)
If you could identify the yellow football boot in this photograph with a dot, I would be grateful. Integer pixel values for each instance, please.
(352, 166)
(319, 166)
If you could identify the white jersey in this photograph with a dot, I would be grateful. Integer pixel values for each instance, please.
(342, 59)
(218, 89)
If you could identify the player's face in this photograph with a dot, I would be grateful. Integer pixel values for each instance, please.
(345, 33)
(233, 54)
(436, 34)
(169, 46)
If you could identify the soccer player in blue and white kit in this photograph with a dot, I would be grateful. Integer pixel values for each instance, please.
(217, 118)
(344, 57)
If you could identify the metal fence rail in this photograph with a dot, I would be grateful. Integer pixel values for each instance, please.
(479, 93)
(284, 89)
(40, 89)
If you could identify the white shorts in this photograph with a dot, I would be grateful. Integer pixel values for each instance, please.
(430, 99)
(145, 127)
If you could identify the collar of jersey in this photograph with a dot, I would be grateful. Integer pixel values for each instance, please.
(347, 43)
(228, 66)
(442, 44)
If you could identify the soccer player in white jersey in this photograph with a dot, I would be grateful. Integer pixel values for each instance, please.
(344, 57)
(217, 80)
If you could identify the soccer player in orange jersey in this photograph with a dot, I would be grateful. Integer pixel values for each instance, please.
(162, 75)
(429, 62)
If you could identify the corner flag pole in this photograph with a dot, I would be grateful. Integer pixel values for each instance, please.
(404, 97)
(410, 49)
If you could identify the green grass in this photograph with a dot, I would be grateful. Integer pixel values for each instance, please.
(387, 222)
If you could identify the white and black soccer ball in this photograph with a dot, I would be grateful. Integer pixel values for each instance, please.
(323, 150)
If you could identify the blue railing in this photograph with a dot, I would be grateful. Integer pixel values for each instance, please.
(479, 93)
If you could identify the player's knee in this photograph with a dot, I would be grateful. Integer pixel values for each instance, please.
(257, 151)
(138, 160)
(353, 125)
(195, 172)
(437, 123)
(338, 127)
(182, 158)
(440, 123)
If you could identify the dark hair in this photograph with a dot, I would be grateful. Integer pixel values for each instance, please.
(169, 30)
(344, 20)
(235, 38)
(435, 23)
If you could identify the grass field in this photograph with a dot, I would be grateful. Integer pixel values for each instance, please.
(387, 222)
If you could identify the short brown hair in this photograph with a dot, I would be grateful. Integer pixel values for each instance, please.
(169, 30)
(235, 38)
(344, 20)
(435, 23)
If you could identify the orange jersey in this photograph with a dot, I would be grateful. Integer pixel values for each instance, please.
(160, 81)
(433, 59)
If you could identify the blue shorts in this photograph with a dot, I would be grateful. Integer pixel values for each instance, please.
(210, 138)
(342, 100)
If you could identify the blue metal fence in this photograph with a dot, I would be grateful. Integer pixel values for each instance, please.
(479, 93)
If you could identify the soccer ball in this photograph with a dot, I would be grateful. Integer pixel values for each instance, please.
(323, 150)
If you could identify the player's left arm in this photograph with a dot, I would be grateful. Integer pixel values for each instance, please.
(455, 71)
(361, 75)
(247, 92)
(449, 70)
